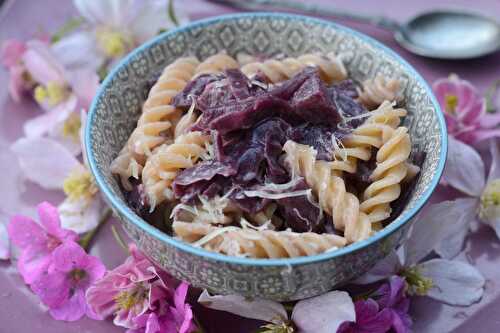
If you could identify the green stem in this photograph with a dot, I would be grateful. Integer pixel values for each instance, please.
(489, 96)
(118, 238)
(171, 13)
(68, 27)
(86, 240)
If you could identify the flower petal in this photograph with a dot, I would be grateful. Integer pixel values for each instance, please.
(495, 160)
(456, 217)
(33, 263)
(84, 83)
(259, 309)
(324, 313)
(81, 215)
(17, 84)
(94, 11)
(37, 158)
(24, 232)
(151, 18)
(78, 51)
(455, 282)
(68, 256)
(11, 52)
(51, 120)
(49, 218)
(464, 168)
(73, 309)
(431, 227)
(52, 288)
(4, 241)
(42, 64)
(385, 268)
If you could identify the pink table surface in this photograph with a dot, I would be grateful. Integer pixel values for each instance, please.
(21, 312)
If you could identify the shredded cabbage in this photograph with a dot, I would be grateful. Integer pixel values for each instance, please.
(276, 196)
(213, 234)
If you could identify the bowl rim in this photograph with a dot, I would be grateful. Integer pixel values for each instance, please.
(132, 217)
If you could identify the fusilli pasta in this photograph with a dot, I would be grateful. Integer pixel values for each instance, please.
(391, 169)
(252, 243)
(216, 64)
(376, 91)
(156, 120)
(330, 67)
(164, 164)
(329, 189)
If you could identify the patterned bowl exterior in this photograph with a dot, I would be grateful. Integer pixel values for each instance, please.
(118, 105)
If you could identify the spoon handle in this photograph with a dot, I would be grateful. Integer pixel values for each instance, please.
(309, 8)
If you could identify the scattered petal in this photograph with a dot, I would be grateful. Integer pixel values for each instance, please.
(455, 282)
(42, 64)
(431, 227)
(456, 217)
(81, 215)
(464, 168)
(259, 309)
(324, 313)
(385, 268)
(52, 120)
(37, 156)
(78, 50)
(84, 83)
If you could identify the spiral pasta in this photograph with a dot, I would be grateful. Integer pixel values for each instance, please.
(375, 91)
(329, 189)
(391, 169)
(216, 64)
(331, 68)
(372, 133)
(155, 125)
(252, 243)
(163, 165)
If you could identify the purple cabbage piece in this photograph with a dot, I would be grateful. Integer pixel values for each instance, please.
(238, 83)
(250, 205)
(312, 102)
(347, 107)
(206, 178)
(299, 213)
(347, 87)
(194, 88)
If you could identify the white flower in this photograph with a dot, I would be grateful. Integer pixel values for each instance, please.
(49, 164)
(321, 314)
(61, 92)
(114, 27)
(439, 279)
(465, 171)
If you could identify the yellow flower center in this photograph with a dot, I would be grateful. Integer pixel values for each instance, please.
(128, 299)
(79, 184)
(489, 208)
(71, 127)
(277, 328)
(114, 44)
(451, 102)
(417, 283)
(52, 94)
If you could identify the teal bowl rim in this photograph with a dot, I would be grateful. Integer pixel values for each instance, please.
(139, 222)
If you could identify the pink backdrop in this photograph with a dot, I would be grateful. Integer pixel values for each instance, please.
(21, 312)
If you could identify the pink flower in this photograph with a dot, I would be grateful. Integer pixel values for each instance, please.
(386, 310)
(12, 51)
(465, 110)
(38, 241)
(140, 296)
(63, 287)
(11, 57)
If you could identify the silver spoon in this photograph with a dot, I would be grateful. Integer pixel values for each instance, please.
(442, 34)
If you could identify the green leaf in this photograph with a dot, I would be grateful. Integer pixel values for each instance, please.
(71, 25)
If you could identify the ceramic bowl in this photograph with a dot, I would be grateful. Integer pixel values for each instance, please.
(117, 106)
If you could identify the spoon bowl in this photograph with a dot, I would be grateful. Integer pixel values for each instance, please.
(450, 35)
